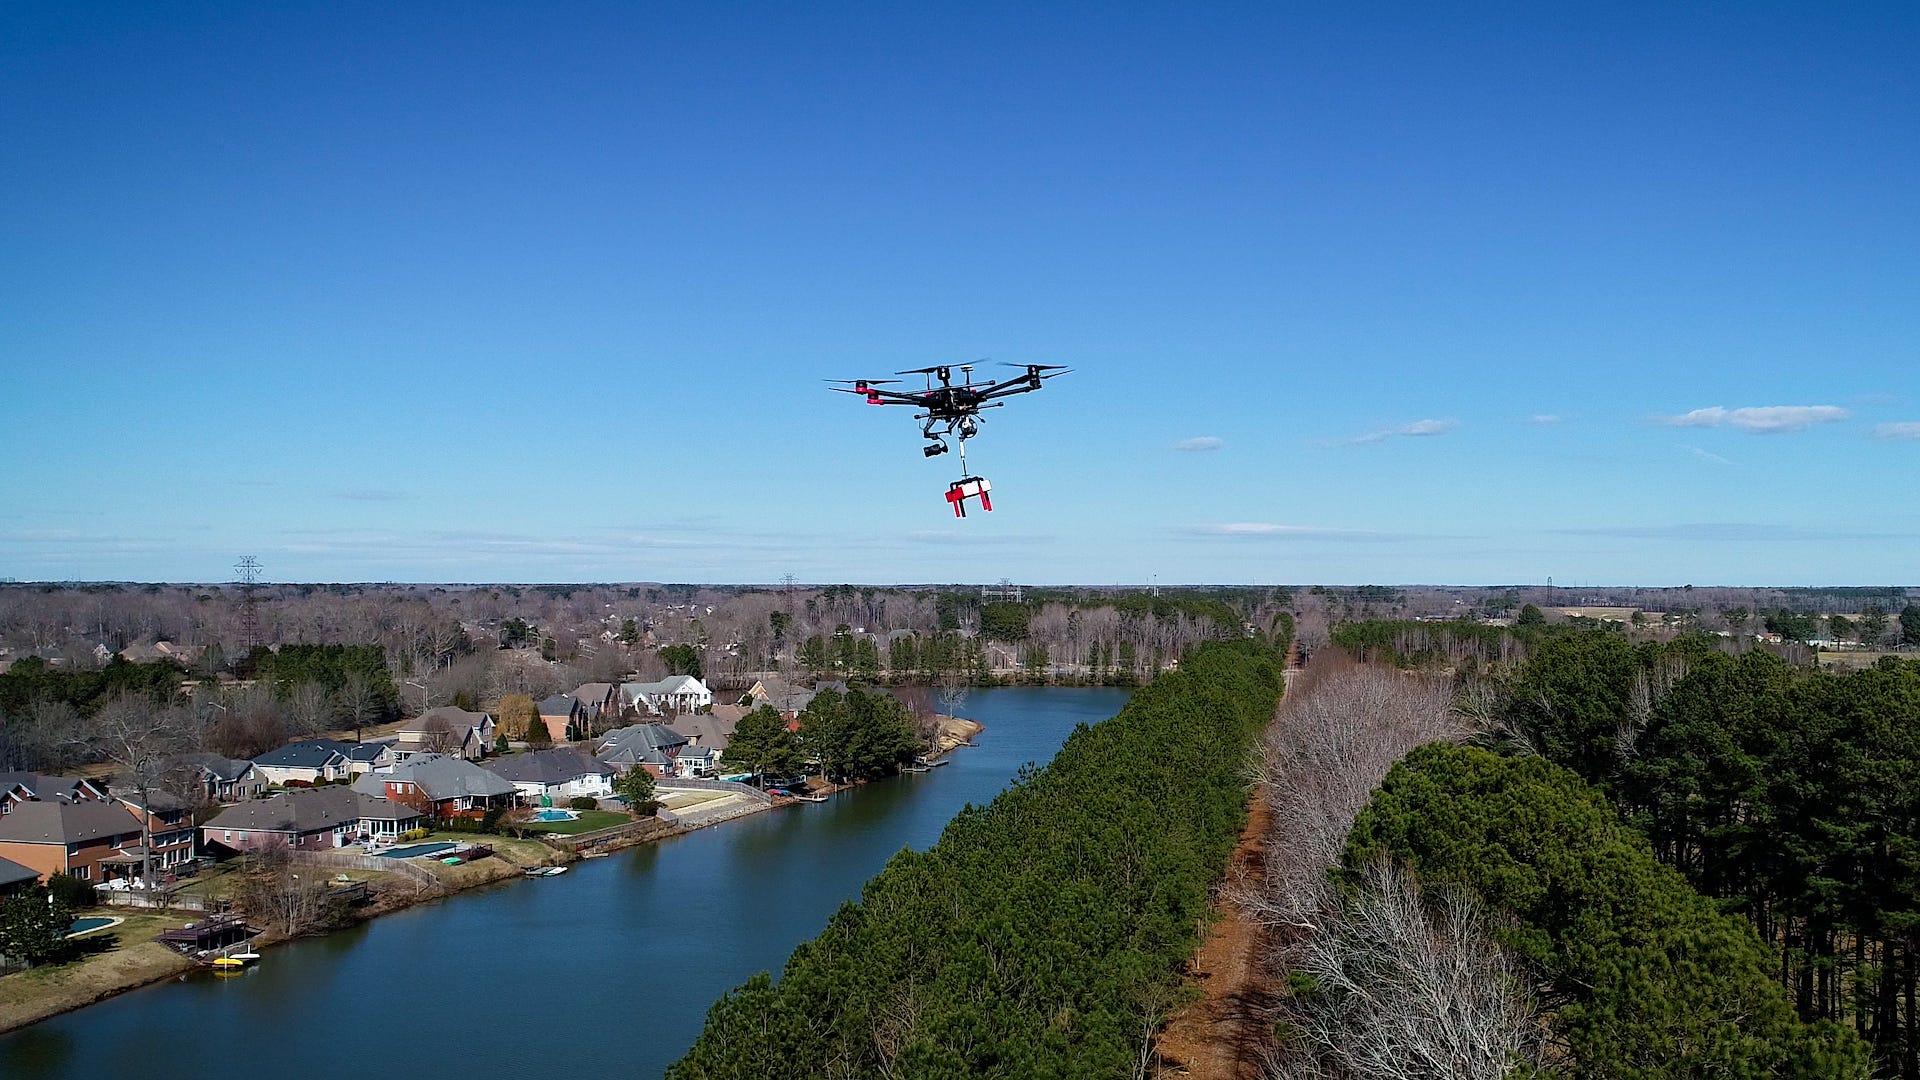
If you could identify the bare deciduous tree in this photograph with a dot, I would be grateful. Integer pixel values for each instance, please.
(1399, 988)
(140, 741)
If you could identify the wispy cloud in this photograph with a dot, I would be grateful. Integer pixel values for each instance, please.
(1906, 429)
(1759, 419)
(1267, 530)
(1708, 456)
(1417, 429)
(1732, 532)
(1201, 442)
(1544, 418)
(371, 495)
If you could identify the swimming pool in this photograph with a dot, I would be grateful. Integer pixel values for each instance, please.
(414, 850)
(89, 925)
(555, 814)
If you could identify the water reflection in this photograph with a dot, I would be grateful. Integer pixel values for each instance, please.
(608, 969)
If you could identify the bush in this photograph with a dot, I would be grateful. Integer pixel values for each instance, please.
(583, 802)
(71, 891)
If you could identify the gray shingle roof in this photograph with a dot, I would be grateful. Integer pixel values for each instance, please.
(12, 874)
(641, 744)
(549, 767)
(309, 810)
(310, 754)
(440, 777)
(66, 823)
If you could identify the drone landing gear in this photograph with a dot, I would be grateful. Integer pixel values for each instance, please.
(969, 487)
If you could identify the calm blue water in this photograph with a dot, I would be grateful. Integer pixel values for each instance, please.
(607, 970)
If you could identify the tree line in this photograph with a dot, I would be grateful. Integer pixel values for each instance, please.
(1042, 934)
(1791, 797)
(851, 736)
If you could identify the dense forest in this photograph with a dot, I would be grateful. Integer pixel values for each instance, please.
(1791, 797)
(1042, 935)
(1786, 795)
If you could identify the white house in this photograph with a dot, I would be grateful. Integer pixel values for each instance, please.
(679, 694)
(558, 774)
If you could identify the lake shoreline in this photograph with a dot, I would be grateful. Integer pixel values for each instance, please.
(55, 990)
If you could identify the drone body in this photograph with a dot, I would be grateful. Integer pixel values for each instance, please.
(953, 410)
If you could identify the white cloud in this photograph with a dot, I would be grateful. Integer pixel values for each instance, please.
(1201, 442)
(1415, 429)
(1543, 418)
(1909, 429)
(1759, 419)
(1709, 456)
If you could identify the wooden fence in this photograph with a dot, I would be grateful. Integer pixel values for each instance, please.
(340, 860)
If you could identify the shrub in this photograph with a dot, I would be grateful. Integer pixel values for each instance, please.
(71, 891)
(583, 802)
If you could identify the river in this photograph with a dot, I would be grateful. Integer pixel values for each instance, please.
(607, 970)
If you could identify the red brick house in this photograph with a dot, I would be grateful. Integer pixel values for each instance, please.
(93, 841)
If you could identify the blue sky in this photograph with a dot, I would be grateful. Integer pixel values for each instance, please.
(545, 292)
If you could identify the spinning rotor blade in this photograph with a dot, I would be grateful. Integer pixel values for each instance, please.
(863, 382)
(1036, 367)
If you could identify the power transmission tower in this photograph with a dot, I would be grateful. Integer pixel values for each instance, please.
(247, 573)
(1005, 591)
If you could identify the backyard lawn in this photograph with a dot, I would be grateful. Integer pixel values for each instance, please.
(588, 821)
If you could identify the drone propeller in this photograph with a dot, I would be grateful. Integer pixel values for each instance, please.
(923, 370)
(862, 382)
(1036, 367)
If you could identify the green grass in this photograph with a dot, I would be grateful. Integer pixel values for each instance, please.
(588, 821)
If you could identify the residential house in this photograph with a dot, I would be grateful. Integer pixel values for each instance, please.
(316, 819)
(92, 840)
(600, 701)
(707, 735)
(565, 718)
(676, 694)
(440, 786)
(15, 878)
(307, 762)
(545, 777)
(161, 650)
(374, 755)
(788, 698)
(19, 787)
(649, 746)
(220, 779)
(169, 824)
(447, 730)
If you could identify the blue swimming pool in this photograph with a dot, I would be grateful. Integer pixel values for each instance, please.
(555, 814)
(413, 850)
(81, 926)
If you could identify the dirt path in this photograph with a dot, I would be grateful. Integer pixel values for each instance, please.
(1222, 1035)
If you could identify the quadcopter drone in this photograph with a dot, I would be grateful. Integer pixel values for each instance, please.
(953, 410)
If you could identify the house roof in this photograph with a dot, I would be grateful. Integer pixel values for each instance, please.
(548, 767)
(559, 705)
(49, 788)
(310, 810)
(593, 693)
(714, 730)
(440, 777)
(66, 823)
(222, 768)
(365, 751)
(12, 873)
(163, 802)
(310, 754)
(641, 744)
(672, 684)
(459, 720)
